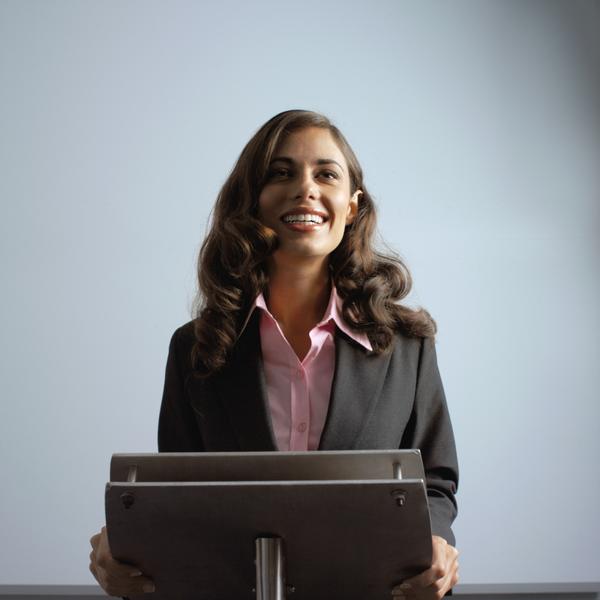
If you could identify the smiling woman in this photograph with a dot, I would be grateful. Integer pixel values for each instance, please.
(300, 340)
(297, 159)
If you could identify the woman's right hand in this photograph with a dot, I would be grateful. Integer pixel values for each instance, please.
(115, 578)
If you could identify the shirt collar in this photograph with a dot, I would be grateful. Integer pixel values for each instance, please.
(333, 312)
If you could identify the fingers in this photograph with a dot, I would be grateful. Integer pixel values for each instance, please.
(433, 583)
(403, 591)
(115, 578)
(438, 569)
(120, 579)
(439, 588)
(131, 586)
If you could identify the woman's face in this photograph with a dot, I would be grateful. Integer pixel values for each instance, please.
(307, 199)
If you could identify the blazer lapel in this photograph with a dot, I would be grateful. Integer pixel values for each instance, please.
(356, 387)
(242, 389)
(357, 384)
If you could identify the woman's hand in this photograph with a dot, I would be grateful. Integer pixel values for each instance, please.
(115, 578)
(437, 580)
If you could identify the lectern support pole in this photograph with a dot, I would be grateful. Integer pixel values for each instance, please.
(270, 584)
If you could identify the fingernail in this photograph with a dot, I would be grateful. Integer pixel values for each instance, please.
(148, 587)
(405, 586)
(135, 573)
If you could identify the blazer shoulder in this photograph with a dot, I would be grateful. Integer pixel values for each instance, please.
(185, 333)
(411, 343)
(180, 347)
(417, 352)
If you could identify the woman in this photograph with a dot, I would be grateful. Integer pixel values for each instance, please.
(299, 340)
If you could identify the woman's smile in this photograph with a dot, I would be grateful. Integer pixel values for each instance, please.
(304, 219)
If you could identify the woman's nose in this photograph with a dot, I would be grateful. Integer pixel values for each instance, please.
(307, 188)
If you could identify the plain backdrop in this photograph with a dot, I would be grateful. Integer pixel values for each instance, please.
(477, 125)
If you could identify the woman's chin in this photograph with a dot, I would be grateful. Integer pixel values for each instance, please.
(298, 257)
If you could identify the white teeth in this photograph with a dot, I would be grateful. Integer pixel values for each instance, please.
(303, 218)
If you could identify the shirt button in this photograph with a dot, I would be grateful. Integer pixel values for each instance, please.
(299, 373)
(302, 427)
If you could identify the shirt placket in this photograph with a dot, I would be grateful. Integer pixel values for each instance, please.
(300, 409)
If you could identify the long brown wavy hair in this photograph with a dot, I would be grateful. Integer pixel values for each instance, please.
(232, 264)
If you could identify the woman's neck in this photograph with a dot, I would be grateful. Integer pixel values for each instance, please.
(297, 297)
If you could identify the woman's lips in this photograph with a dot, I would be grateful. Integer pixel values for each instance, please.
(304, 214)
(304, 220)
(303, 226)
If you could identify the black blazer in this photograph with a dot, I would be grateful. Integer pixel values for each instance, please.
(388, 401)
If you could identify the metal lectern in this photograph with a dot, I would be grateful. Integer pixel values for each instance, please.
(270, 525)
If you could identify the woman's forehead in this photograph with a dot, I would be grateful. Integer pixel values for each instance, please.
(310, 142)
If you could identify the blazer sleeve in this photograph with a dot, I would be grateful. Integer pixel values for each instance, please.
(177, 426)
(429, 429)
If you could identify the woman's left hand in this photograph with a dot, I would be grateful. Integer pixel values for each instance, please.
(437, 580)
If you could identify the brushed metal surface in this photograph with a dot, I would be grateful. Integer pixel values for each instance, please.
(270, 577)
(349, 540)
(268, 466)
(352, 523)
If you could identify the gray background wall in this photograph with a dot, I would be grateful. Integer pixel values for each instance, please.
(477, 126)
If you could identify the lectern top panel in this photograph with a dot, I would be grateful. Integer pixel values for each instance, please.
(267, 466)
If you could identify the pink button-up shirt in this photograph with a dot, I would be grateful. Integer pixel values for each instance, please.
(298, 391)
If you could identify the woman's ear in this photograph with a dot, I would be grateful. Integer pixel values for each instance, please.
(353, 207)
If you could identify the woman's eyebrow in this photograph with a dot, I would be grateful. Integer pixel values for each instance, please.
(319, 161)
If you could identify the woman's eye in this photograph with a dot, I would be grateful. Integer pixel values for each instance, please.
(281, 172)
